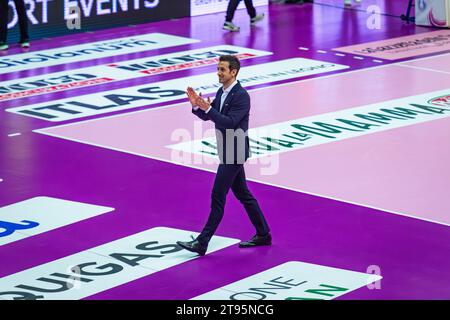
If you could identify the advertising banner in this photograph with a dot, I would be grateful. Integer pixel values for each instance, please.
(60, 17)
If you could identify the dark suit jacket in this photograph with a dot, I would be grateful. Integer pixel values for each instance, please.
(231, 124)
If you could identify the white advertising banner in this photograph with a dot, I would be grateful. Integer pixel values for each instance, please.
(123, 70)
(169, 90)
(90, 51)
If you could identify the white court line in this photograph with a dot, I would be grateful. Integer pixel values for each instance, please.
(321, 51)
(426, 58)
(254, 180)
(248, 179)
(14, 134)
(303, 48)
(423, 68)
(410, 58)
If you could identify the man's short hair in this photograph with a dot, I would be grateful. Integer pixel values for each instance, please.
(232, 61)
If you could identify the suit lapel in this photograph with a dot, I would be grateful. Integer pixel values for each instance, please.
(218, 97)
(226, 103)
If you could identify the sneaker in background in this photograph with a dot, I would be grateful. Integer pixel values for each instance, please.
(257, 18)
(25, 44)
(230, 26)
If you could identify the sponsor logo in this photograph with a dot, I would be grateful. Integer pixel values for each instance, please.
(126, 70)
(10, 227)
(405, 44)
(186, 60)
(403, 47)
(33, 87)
(89, 51)
(104, 267)
(334, 126)
(293, 280)
(170, 90)
(41, 214)
(443, 101)
(199, 7)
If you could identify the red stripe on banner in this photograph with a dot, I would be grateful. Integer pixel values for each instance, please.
(54, 88)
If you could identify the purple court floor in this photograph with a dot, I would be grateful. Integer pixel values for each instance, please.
(103, 167)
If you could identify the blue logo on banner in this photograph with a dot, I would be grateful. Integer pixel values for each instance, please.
(11, 227)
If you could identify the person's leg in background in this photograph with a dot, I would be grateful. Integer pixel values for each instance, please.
(250, 8)
(3, 24)
(23, 23)
(231, 9)
(254, 18)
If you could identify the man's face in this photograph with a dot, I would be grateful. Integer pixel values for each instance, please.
(224, 73)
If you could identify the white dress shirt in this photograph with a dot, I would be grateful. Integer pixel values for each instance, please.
(222, 98)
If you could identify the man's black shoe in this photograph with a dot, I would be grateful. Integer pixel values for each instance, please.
(193, 246)
(257, 241)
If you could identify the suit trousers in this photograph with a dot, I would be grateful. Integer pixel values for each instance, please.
(232, 6)
(23, 20)
(231, 176)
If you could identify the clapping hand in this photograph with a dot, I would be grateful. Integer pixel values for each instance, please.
(192, 96)
(197, 100)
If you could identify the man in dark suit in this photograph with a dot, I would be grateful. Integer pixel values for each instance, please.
(230, 113)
